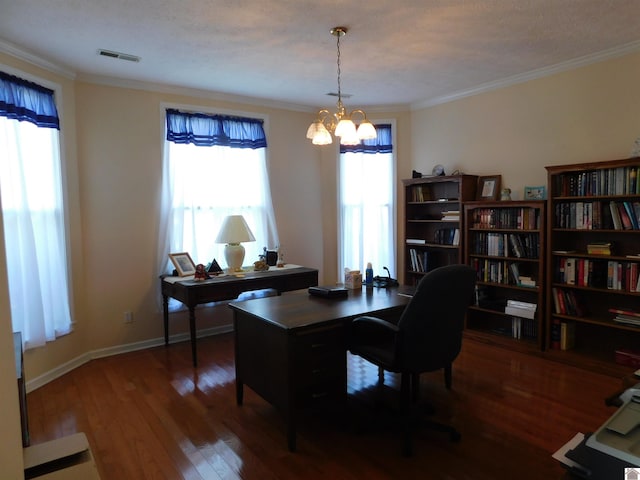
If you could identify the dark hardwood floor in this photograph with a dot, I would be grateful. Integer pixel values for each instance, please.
(151, 415)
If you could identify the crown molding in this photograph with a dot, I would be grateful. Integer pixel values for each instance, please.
(586, 60)
(191, 92)
(36, 60)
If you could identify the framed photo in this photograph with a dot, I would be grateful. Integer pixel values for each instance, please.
(535, 193)
(488, 187)
(183, 263)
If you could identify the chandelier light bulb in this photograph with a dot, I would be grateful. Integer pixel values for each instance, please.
(340, 123)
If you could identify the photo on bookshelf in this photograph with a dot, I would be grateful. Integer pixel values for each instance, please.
(488, 187)
(535, 193)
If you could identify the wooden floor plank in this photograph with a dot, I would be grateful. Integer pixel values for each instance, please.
(151, 415)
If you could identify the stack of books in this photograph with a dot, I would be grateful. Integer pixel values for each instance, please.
(451, 215)
(520, 309)
(628, 317)
(599, 248)
(526, 281)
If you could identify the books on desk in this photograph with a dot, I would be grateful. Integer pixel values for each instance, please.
(331, 291)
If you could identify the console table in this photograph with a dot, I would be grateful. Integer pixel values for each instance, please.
(227, 287)
(291, 350)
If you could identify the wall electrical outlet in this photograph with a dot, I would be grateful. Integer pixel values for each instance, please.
(128, 316)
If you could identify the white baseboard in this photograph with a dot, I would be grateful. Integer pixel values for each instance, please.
(51, 375)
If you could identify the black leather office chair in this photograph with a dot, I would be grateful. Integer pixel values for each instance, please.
(427, 337)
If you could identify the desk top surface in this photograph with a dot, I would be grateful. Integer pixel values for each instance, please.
(188, 281)
(299, 309)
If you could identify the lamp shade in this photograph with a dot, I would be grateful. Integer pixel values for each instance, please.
(235, 230)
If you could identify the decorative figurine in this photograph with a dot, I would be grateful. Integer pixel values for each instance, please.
(201, 272)
(505, 194)
(260, 266)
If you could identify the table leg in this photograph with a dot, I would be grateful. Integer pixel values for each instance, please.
(165, 318)
(239, 392)
(192, 330)
(291, 432)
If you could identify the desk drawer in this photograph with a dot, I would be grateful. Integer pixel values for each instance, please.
(319, 341)
(329, 392)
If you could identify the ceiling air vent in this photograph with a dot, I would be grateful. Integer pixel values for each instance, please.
(121, 56)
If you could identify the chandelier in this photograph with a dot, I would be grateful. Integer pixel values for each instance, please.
(339, 123)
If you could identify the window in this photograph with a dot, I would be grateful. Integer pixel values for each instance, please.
(33, 212)
(214, 166)
(367, 208)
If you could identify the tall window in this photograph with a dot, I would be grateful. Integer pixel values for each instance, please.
(214, 166)
(367, 208)
(32, 211)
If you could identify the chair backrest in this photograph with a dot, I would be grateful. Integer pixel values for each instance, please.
(433, 321)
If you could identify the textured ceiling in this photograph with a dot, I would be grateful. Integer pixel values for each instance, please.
(407, 52)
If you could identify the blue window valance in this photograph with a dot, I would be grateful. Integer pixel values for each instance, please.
(210, 130)
(381, 144)
(27, 101)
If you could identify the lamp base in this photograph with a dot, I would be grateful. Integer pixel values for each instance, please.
(234, 255)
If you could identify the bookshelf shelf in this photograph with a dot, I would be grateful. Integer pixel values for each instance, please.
(433, 222)
(505, 243)
(593, 204)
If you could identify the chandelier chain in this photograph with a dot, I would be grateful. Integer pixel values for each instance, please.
(338, 62)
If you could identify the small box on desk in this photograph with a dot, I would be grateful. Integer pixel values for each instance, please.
(628, 357)
(353, 279)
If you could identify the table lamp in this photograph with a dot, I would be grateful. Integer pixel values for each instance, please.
(234, 231)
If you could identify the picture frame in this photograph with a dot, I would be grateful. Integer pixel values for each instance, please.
(488, 187)
(535, 193)
(183, 263)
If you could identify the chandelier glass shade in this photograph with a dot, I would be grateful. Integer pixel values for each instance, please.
(340, 123)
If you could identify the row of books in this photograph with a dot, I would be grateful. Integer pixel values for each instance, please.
(567, 302)
(441, 236)
(563, 335)
(626, 316)
(519, 245)
(598, 215)
(447, 236)
(523, 328)
(418, 260)
(420, 193)
(503, 272)
(522, 218)
(606, 181)
(596, 273)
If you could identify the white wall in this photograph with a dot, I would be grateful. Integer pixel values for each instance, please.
(587, 114)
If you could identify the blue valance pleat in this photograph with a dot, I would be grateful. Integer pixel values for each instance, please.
(27, 101)
(381, 144)
(210, 130)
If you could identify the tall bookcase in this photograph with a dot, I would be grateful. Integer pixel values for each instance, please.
(434, 222)
(505, 243)
(594, 263)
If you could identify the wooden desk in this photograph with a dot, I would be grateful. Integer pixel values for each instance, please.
(228, 287)
(291, 349)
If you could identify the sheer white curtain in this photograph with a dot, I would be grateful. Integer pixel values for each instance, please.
(34, 228)
(366, 224)
(201, 186)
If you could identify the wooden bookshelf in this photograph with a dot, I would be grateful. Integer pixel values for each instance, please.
(505, 243)
(433, 222)
(590, 263)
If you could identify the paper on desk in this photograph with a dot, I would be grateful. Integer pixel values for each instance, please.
(247, 269)
(561, 456)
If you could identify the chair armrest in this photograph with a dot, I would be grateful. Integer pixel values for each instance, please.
(373, 330)
(374, 324)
